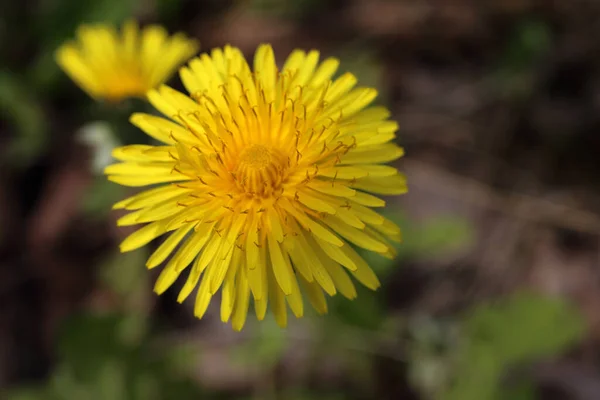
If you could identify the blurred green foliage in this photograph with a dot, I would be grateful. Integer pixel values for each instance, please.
(495, 338)
(23, 110)
(527, 46)
(96, 362)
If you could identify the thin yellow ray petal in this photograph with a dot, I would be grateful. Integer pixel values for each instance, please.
(152, 41)
(167, 247)
(306, 69)
(160, 211)
(222, 266)
(337, 254)
(389, 185)
(192, 248)
(203, 296)
(374, 113)
(315, 203)
(143, 236)
(167, 277)
(161, 129)
(315, 295)
(191, 281)
(130, 40)
(275, 224)
(367, 199)
(242, 299)
(346, 214)
(379, 170)
(277, 300)
(331, 187)
(279, 265)
(306, 251)
(352, 102)
(178, 100)
(342, 281)
(266, 69)
(294, 61)
(299, 261)
(358, 237)
(324, 72)
(343, 172)
(70, 60)
(294, 299)
(363, 273)
(257, 278)
(311, 225)
(387, 227)
(150, 197)
(366, 214)
(227, 252)
(143, 153)
(145, 180)
(210, 251)
(142, 169)
(381, 153)
(340, 86)
(260, 307)
(229, 290)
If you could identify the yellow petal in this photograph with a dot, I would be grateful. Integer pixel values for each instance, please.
(143, 236)
(242, 299)
(167, 247)
(358, 237)
(315, 295)
(280, 266)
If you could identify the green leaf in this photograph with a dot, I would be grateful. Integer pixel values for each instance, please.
(526, 327)
(508, 333)
(478, 377)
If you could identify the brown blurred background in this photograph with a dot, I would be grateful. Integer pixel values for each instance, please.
(495, 293)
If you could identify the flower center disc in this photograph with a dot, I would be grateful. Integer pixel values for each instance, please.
(260, 171)
(256, 157)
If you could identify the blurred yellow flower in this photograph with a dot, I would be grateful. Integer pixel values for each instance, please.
(113, 67)
(267, 179)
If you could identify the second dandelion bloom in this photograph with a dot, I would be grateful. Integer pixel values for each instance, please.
(266, 180)
(113, 66)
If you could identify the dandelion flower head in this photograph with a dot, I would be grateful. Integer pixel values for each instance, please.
(266, 180)
(113, 67)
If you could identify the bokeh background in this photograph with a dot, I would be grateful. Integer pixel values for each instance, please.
(496, 291)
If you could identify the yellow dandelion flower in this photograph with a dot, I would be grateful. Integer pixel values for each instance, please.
(268, 179)
(111, 66)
